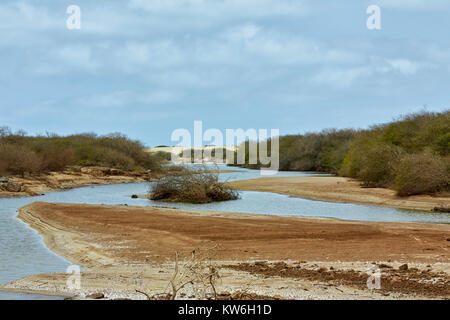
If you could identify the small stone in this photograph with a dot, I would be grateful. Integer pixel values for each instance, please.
(403, 267)
(98, 295)
(278, 297)
(134, 196)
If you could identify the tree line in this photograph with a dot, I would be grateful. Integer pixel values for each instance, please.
(410, 155)
(21, 154)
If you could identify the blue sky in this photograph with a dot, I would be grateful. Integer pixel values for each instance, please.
(145, 68)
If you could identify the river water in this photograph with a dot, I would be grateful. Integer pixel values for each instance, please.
(23, 252)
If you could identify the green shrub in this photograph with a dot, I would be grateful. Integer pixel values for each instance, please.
(322, 151)
(372, 164)
(167, 156)
(420, 174)
(442, 144)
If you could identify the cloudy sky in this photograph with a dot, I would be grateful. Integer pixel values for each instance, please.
(147, 67)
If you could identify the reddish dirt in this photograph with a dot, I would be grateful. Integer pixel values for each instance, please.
(154, 235)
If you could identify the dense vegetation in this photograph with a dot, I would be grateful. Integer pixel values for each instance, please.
(192, 186)
(410, 155)
(202, 154)
(20, 154)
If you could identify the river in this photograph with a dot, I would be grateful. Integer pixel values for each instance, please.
(23, 252)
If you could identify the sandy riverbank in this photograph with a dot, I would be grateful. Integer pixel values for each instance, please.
(75, 177)
(72, 177)
(339, 189)
(301, 258)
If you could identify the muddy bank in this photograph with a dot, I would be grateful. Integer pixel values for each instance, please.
(339, 189)
(120, 246)
(71, 178)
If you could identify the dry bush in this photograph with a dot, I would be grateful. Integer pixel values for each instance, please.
(192, 187)
(103, 156)
(17, 159)
(198, 273)
(56, 152)
(56, 158)
(421, 173)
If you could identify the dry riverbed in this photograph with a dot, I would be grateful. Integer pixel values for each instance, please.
(339, 189)
(124, 249)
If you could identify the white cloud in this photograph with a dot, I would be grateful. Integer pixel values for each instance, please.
(345, 77)
(133, 56)
(405, 66)
(221, 9)
(340, 78)
(21, 15)
(160, 97)
(78, 56)
(124, 98)
(414, 4)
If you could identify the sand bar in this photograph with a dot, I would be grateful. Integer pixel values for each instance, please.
(339, 189)
(326, 256)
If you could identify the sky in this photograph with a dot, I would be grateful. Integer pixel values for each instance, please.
(146, 68)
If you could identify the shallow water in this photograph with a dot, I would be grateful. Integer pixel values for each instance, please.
(26, 296)
(23, 252)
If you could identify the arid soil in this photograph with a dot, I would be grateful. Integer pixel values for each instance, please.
(339, 189)
(72, 177)
(123, 247)
(403, 279)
